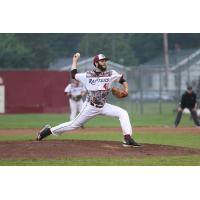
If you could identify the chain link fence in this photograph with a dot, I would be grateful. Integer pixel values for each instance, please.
(154, 89)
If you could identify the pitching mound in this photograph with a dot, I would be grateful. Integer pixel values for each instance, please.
(52, 149)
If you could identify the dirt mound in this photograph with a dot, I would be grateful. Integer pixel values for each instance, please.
(56, 149)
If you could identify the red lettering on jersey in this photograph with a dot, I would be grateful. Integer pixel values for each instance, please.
(105, 86)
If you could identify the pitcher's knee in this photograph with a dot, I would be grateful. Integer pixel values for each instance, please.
(123, 114)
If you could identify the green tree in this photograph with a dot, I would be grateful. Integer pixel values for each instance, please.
(146, 45)
(185, 40)
(40, 49)
(115, 46)
(13, 54)
(46, 47)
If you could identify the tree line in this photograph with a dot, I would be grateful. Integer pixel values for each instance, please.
(38, 50)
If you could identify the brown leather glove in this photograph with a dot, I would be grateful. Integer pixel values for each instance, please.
(119, 93)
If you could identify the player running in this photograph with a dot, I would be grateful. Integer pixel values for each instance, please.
(98, 84)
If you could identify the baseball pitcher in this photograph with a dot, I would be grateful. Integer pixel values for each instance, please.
(75, 91)
(98, 83)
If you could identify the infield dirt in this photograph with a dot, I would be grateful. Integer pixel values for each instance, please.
(59, 149)
(56, 149)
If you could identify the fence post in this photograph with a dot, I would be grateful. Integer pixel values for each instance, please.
(2, 96)
(179, 83)
(141, 90)
(160, 91)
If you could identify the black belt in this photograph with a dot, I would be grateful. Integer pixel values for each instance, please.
(95, 105)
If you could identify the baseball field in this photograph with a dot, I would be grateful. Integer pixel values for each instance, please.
(100, 142)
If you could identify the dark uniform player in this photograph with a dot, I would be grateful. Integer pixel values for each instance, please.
(188, 100)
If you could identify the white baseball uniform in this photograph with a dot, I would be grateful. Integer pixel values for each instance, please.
(98, 85)
(74, 91)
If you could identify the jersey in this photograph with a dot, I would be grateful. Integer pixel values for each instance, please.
(98, 84)
(188, 100)
(74, 90)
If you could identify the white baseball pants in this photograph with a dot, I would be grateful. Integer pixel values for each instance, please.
(88, 111)
(75, 107)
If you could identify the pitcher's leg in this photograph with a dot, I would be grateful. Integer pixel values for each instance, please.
(121, 114)
(115, 111)
(86, 113)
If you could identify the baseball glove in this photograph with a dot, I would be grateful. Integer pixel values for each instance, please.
(119, 93)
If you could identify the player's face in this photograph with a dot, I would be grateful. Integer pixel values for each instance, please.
(75, 82)
(102, 64)
(189, 91)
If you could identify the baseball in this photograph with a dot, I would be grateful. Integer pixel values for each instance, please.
(78, 55)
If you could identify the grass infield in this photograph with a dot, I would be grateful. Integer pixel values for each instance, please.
(39, 120)
(147, 120)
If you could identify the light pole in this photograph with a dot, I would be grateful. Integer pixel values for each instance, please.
(166, 58)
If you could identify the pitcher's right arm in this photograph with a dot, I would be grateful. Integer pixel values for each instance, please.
(75, 59)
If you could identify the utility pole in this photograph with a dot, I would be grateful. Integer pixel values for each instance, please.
(166, 59)
(87, 46)
(113, 48)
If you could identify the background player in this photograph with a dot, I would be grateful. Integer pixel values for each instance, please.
(98, 84)
(75, 91)
(188, 100)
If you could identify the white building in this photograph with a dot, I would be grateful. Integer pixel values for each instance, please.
(87, 64)
(184, 69)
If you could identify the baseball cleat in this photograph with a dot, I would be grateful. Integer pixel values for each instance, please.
(44, 133)
(130, 143)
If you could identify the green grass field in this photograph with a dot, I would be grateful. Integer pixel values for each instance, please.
(39, 120)
(147, 120)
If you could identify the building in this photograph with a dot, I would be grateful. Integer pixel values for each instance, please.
(85, 64)
(184, 69)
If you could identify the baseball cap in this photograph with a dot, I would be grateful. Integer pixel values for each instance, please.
(99, 57)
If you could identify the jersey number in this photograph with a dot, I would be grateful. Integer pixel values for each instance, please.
(105, 86)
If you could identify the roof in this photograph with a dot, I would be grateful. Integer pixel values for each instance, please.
(62, 62)
(87, 64)
(176, 59)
